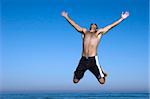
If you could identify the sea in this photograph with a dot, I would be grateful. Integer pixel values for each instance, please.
(75, 96)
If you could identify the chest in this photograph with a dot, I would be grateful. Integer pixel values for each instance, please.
(91, 37)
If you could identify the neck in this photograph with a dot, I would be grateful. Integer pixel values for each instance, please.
(92, 30)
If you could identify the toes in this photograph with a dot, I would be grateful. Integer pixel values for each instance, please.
(75, 80)
(105, 74)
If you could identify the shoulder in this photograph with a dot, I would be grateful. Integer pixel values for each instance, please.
(99, 31)
(84, 30)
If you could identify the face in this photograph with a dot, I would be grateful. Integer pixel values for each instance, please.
(93, 26)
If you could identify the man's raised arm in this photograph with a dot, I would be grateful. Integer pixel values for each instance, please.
(76, 26)
(107, 28)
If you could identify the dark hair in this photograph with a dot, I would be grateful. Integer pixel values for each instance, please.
(94, 24)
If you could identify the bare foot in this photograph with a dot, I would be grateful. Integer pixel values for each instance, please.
(75, 80)
(102, 80)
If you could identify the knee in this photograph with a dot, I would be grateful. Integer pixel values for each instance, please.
(75, 80)
(101, 80)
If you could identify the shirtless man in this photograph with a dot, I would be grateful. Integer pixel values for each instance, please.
(91, 39)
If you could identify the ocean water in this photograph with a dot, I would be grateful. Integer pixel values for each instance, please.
(76, 96)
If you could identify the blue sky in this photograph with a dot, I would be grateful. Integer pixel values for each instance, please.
(40, 49)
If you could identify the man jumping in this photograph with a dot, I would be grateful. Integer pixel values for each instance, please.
(91, 39)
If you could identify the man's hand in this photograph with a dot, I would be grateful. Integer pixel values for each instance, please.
(64, 14)
(124, 15)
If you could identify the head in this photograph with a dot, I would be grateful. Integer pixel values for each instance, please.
(93, 26)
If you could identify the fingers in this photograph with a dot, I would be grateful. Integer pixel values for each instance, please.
(64, 13)
(125, 13)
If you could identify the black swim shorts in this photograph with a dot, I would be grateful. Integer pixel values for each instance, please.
(87, 63)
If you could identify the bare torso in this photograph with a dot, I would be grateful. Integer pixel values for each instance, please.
(90, 44)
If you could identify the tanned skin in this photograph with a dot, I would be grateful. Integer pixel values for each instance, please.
(91, 38)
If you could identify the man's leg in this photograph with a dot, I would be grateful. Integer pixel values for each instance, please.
(94, 69)
(102, 73)
(80, 70)
(78, 74)
(97, 71)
